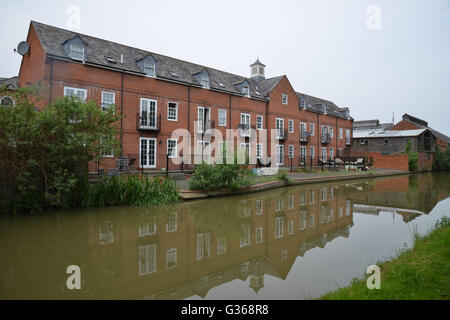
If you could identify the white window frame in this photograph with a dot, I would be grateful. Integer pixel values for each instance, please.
(245, 240)
(150, 66)
(341, 133)
(279, 227)
(222, 112)
(246, 91)
(259, 207)
(202, 144)
(107, 105)
(291, 151)
(200, 128)
(204, 81)
(149, 101)
(168, 111)
(331, 131)
(75, 93)
(221, 245)
(171, 251)
(259, 151)
(324, 152)
(290, 228)
(312, 128)
(173, 156)
(145, 230)
(303, 153)
(259, 235)
(151, 263)
(331, 152)
(291, 125)
(173, 228)
(147, 166)
(285, 99)
(279, 126)
(312, 152)
(259, 122)
(280, 155)
(106, 155)
(71, 50)
(246, 119)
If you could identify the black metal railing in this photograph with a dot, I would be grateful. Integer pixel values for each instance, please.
(304, 136)
(281, 134)
(144, 123)
(326, 138)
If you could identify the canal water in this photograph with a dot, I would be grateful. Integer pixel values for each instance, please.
(290, 243)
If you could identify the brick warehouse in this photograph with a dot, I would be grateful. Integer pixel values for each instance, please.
(157, 94)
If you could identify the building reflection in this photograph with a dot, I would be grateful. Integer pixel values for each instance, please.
(185, 250)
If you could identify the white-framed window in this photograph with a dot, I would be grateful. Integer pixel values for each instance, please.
(279, 204)
(312, 197)
(290, 228)
(204, 149)
(221, 245)
(148, 115)
(147, 259)
(291, 151)
(311, 152)
(303, 154)
(171, 225)
(279, 125)
(324, 154)
(291, 126)
(106, 233)
(303, 198)
(291, 202)
(259, 122)
(147, 152)
(204, 81)
(259, 235)
(284, 98)
(172, 149)
(347, 136)
(324, 194)
(109, 153)
(330, 131)
(203, 245)
(75, 92)
(222, 118)
(7, 101)
(259, 207)
(246, 91)
(172, 111)
(303, 219)
(108, 100)
(311, 221)
(331, 153)
(147, 229)
(245, 235)
(302, 103)
(312, 128)
(279, 226)
(341, 133)
(280, 154)
(149, 69)
(76, 52)
(259, 151)
(204, 119)
(171, 258)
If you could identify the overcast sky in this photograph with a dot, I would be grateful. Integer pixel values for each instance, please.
(394, 57)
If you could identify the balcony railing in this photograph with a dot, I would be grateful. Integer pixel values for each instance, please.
(326, 138)
(244, 129)
(145, 123)
(304, 136)
(281, 134)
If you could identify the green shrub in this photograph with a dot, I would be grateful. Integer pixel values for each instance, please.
(130, 190)
(210, 177)
(412, 157)
(442, 160)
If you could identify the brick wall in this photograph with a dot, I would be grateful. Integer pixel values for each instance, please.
(389, 161)
(425, 161)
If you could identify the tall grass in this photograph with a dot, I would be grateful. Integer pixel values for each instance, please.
(130, 190)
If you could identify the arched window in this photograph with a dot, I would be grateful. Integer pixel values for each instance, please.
(7, 101)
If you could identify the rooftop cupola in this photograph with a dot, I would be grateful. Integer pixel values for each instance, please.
(257, 70)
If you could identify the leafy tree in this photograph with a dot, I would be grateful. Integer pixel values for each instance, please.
(412, 157)
(44, 154)
(442, 160)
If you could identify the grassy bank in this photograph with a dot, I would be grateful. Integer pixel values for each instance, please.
(420, 273)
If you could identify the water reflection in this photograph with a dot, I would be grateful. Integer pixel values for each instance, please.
(185, 250)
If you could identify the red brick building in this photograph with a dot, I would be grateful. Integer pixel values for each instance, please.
(157, 94)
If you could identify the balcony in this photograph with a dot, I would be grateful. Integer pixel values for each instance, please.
(244, 129)
(304, 136)
(326, 138)
(145, 123)
(281, 135)
(206, 126)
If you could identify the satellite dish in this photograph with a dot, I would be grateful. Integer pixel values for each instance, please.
(23, 48)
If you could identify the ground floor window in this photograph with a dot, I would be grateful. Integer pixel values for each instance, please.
(171, 258)
(280, 154)
(147, 152)
(279, 226)
(147, 259)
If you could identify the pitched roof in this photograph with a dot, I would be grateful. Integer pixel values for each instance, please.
(52, 39)
(315, 104)
(424, 125)
(387, 134)
(10, 83)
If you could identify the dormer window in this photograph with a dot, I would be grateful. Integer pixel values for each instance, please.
(77, 52)
(246, 91)
(149, 69)
(204, 81)
(284, 99)
(302, 103)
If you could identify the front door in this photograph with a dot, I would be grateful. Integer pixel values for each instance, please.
(147, 152)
